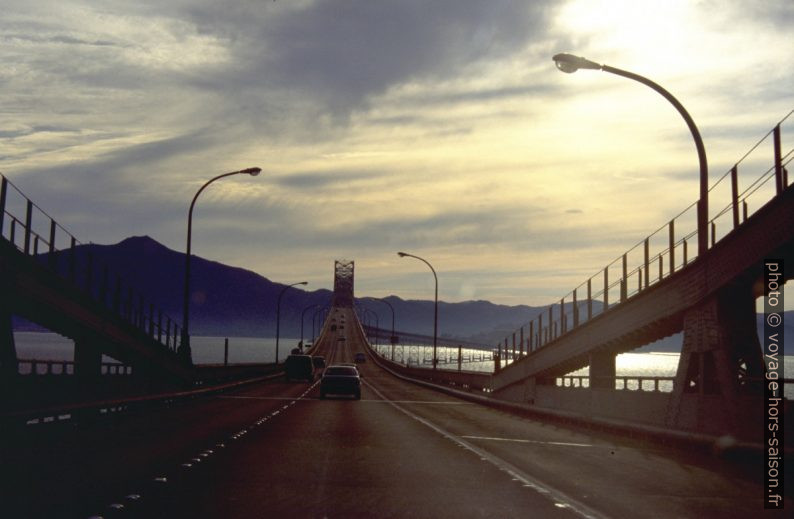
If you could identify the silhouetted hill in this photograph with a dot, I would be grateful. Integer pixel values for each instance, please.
(234, 302)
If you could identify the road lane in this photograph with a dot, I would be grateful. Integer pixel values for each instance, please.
(345, 458)
(77, 469)
(276, 450)
(613, 475)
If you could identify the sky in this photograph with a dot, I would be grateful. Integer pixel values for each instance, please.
(440, 128)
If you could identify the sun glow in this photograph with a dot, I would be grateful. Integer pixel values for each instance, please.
(637, 32)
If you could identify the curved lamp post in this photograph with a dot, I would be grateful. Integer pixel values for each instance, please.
(569, 64)
(184, 346)
(303, 314)
(315, 315)
(435, 312)
(278, 310)
(393, 337)
(377, 323)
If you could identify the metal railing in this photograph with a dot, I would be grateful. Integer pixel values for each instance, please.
(38, 367)
(667, 250)
(628, 383)
(40, 237)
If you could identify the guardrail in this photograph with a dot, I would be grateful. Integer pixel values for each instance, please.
(90, 409)
(629, 383)
(39, 236)
(36, 367)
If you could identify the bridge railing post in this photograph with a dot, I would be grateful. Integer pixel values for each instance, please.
(551, 323)
(562, 316)
(52, 257)
(686, 256)
(530, 338)
(521, 342)
(168, 334)
(575, 309)
(735, 195)
(780, 184)
(606, 288)
(589, 299)
(28, 225)
(671, 234)
(3, 194)
(73, 260)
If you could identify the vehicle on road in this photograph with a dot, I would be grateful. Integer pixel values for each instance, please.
(340, 380)
(318, 361)
(299, 367)
(359, 357)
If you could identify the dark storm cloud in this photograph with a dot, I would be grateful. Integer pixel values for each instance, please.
(342, 53)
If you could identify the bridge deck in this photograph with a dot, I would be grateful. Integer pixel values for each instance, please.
(657, 312)
(275, 449)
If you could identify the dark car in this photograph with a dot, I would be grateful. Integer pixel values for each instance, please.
(359, 357)
(340, 380)
(299, 367)
(318, 361)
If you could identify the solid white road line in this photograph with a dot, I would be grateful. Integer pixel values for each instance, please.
(559, 498)
(518, 440)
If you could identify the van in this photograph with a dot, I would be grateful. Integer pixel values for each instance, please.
(299, 367)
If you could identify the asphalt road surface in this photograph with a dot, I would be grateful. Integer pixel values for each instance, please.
(275, 449)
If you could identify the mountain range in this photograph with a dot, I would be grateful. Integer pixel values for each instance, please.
(234, 302)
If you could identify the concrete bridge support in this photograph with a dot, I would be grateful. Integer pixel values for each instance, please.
(87, 361)
(602, 370)
(720, 366)
(9, 364)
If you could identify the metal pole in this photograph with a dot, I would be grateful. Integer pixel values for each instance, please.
(569, 64)
(703, 206)
(435, 308)
(184, 346)
(392, 339)
(303, 314)
(278, 312)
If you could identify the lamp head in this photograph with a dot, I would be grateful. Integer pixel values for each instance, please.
(569, 63)
(402, 254)
(302, 283)
(252, 171)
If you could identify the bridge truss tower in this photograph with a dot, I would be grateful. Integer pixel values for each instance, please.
(343, 283)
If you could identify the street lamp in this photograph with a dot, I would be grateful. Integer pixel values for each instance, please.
(317, 318)
(569, 64)
(435, 313)
(377, 323)
(303, 314)
(393, 337)
(278, 310)
(184, 346)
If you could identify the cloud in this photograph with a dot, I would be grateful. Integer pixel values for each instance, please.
(439, 126)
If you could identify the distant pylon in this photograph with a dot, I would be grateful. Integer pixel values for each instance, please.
(343, 283)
